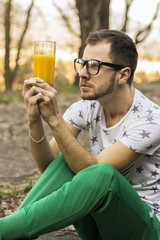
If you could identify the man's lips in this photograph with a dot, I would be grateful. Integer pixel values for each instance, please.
(85, 85)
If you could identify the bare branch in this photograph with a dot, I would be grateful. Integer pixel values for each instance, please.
(126, 18)
(65, 18)
(143, 34)
(23, 34)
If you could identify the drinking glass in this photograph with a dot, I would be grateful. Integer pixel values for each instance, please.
(44, 60)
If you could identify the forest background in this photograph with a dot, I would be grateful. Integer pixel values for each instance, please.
(68, 22)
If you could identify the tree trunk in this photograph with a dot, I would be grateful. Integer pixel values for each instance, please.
(9, 73)
(93, 16)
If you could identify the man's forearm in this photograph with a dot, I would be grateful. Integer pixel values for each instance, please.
(41, 151)
(76, 156)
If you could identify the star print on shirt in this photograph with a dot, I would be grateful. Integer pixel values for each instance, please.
(149, 111)
(106, 132)
(143, 197)
(73, 123)
(133, 149)
(80, 114)
(157, 165)
(149, 147)
(114, 141)
(155, 189)
(135, 109)
(97, 119)
(125, 134)
(149, 119)
(139, 170)
(144, 184)
(94, 139)
(93, 105)
(100, 151)
(155, 107)
(145, 134)
(154, 174)
(88, 124)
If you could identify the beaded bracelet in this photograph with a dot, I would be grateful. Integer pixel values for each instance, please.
(36, 141)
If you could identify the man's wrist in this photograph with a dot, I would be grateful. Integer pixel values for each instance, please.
(56, 122)
(36, 131)
(33, 123)
(35, 140)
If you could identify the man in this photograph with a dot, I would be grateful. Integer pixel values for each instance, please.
(113, 192)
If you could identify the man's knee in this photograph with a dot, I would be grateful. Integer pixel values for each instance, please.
(102, 171)
(98, 176)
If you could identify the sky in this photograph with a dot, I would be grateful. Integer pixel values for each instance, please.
(140, 14)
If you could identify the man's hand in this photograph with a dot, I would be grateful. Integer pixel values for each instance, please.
(48, 107)
(43, 153)
(32, 96)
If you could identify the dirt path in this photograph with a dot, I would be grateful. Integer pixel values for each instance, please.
(16, 161)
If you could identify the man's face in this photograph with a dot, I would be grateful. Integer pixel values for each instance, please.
(94, 87)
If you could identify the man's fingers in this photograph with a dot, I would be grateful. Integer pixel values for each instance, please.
(29, 83)
(45, 86)
(33, 95)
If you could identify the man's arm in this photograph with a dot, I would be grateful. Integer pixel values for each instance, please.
(42, 152)
(76, 156)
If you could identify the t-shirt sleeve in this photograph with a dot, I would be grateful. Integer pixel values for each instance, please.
(144, 137)
(76, 114)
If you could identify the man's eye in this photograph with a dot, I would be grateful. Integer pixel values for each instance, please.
(93, 64)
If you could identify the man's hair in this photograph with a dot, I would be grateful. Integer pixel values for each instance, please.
(123, 50)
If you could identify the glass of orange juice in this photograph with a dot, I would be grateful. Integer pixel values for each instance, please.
(44, 60)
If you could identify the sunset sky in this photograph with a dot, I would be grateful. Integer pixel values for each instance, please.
(51, 27)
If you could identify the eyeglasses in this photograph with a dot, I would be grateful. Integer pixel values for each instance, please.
(93, 65)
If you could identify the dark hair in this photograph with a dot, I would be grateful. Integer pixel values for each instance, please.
(123, 50)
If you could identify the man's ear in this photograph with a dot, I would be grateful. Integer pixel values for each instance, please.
(124, 75)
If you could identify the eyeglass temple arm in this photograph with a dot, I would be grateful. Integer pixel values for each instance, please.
(116, 66)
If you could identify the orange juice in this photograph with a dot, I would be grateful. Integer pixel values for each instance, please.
(44, 67)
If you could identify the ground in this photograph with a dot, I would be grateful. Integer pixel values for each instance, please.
(17, 168)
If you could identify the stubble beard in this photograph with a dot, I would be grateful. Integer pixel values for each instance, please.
(103, 91)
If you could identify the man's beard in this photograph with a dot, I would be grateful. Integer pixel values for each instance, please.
(103, 91)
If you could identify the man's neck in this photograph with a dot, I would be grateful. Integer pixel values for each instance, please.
(117, 104)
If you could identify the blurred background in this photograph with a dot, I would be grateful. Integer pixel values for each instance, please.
(68, 22)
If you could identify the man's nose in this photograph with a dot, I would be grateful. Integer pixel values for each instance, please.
(84, 72)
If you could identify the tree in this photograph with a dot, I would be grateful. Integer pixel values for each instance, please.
(10, 72)
(94, 15)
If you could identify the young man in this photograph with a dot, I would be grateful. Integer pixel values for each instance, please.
(113, 192)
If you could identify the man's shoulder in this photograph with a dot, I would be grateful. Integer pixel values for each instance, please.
(145, 103)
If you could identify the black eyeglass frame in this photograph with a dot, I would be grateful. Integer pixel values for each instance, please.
(85, 62)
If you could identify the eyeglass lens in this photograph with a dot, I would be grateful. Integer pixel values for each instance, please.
(91, 65)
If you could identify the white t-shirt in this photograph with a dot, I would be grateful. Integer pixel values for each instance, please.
(139, 130)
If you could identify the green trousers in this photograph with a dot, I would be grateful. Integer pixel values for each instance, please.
(98, 201)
